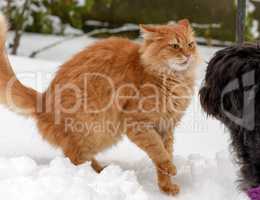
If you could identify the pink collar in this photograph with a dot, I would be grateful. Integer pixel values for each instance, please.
(254, 193)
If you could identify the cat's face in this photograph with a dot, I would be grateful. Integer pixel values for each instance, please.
(171, 46)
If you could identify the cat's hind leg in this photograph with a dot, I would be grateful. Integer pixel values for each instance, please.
(80, 152)
(96, 166)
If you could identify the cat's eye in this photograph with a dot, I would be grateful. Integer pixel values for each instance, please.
(191, 45)
(175, 46)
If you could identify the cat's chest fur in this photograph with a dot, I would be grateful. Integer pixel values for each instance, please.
(174, 93)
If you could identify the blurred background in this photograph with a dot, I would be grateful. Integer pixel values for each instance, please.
(214, 21)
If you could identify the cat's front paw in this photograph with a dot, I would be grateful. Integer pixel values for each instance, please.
(167, 168)
(170, 189)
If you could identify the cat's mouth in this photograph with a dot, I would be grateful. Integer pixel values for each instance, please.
(186, 62)
(179, 66)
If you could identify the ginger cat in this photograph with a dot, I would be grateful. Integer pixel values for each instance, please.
(112, 88)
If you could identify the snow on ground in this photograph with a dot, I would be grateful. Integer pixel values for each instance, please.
(22, 178)
(31, 169)
(32, 42)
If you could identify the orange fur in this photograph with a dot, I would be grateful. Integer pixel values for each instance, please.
(148, 86)
(23, 98)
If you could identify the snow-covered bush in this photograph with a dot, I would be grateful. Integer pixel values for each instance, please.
(42, 16)
(25, 15)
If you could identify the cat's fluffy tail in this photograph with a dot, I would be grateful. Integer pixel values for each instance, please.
(13, 93)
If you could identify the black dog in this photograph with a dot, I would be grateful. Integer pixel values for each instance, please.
(231, 94)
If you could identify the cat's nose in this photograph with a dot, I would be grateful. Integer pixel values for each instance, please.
(187, 56)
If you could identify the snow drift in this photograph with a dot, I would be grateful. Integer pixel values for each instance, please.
(201, 179)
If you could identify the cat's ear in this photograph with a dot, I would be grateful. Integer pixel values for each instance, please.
(148, 31)
(185, 23)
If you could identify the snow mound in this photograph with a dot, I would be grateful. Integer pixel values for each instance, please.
(204, 179)
(23, 179)
(200, 179)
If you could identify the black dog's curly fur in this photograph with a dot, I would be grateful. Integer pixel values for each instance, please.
(234, 64)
